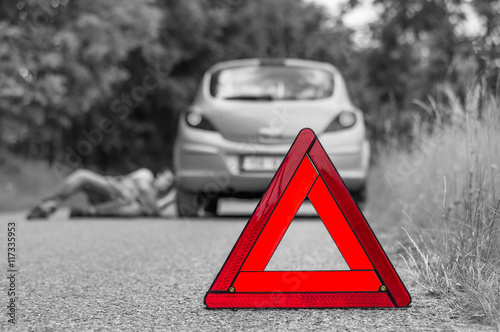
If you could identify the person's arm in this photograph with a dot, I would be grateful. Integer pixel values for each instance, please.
(166, 201)
(148, 195)
(146, 199)
(148, 202)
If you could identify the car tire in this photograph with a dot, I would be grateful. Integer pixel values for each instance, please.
(359, 196)
(211, 205)
(188, 203)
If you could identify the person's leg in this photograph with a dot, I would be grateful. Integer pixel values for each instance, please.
(95, 186)
(117, 209)
(91, 183)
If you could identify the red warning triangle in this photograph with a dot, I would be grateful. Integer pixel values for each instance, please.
(307, 171)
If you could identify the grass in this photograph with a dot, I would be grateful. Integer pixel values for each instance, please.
(448, 189)
(22, 182)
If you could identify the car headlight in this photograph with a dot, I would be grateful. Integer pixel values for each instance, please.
(199, 121)
(342, 121)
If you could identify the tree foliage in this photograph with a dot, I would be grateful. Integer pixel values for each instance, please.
(102, 83)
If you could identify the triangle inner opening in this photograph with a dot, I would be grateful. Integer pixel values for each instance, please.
(307, 246)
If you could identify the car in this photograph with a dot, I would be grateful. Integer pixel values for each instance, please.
(243, 120)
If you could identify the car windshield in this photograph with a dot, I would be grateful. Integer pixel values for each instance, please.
(267, 83)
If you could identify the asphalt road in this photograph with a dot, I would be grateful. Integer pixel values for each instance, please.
(152, 274)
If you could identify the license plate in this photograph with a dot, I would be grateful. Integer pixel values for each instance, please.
(261, 163)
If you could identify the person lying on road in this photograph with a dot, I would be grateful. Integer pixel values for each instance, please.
(139, 193)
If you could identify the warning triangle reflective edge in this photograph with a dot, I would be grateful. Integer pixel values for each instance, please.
(307, 171)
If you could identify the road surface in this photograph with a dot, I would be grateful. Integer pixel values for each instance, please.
(152, 274)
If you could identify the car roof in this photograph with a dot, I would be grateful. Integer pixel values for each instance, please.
(273, 61)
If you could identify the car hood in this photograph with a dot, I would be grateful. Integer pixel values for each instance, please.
(269, 122)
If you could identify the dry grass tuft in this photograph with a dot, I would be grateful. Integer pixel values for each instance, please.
(449, 189)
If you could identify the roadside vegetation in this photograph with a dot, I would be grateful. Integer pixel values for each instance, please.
(23, 182)
(446, 194)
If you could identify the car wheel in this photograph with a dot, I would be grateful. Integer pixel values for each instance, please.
(188, 203)
(359, 195)
(211, 205)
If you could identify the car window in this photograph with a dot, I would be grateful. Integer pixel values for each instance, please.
(271, 83)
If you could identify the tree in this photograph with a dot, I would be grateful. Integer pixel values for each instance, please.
(69, 67)
(60, 60)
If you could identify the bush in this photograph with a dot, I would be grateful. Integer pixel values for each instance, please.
(23, 182)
